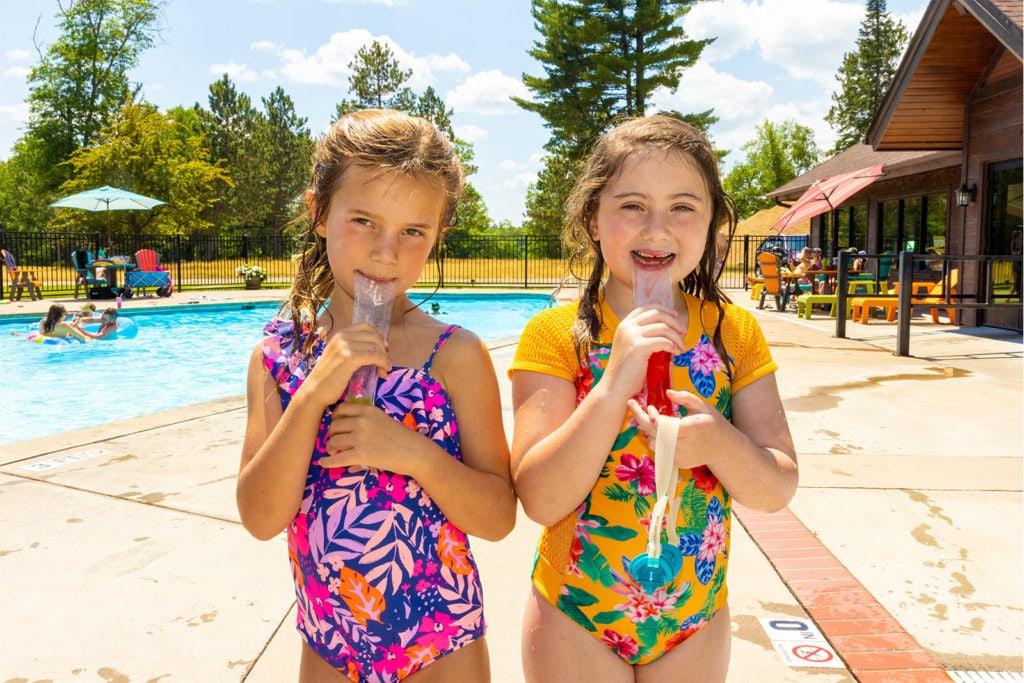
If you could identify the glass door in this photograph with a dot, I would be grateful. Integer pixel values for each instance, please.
(1003, 238)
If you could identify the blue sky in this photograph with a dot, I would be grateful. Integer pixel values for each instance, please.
(773, 59)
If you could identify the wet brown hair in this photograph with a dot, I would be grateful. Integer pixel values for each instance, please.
(385, 140)
(56, 313)
(601, 167)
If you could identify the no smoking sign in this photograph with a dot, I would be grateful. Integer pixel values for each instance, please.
(799, 643)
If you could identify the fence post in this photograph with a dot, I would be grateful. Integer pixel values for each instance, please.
(903, 308)
(245, 248)
(3, 266)
(177, 260)
(842, 280)
(526, 261)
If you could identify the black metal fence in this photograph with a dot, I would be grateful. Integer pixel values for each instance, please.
(198, 262)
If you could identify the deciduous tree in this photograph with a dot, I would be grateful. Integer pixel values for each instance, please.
(778, 153)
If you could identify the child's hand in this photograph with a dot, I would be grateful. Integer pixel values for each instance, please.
(362, 434)
(645, 331)
(347, 351)
(699, 430)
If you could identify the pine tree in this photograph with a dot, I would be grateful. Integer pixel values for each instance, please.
(602, 60)
(865, 74)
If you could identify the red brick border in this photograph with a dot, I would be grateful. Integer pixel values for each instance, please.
(874, 646)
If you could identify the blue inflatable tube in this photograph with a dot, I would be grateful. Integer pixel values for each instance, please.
(126, 329)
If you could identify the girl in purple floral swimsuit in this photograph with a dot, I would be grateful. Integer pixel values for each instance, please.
(377, 499)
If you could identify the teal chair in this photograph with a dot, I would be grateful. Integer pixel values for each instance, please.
(80, 261)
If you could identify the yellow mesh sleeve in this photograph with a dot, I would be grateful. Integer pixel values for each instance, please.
(553, 552)
(744, 342)
(546, 344)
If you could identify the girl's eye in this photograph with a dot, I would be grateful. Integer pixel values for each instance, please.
(632, 206)
(681, 207)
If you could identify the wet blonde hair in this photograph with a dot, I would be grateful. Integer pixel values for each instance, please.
(390, 142)
(602, 166)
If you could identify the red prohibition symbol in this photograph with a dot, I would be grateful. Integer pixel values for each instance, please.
(812, 653)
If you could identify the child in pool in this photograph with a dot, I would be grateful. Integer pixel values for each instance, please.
(377, 499)
(56, 325)
(649, 201)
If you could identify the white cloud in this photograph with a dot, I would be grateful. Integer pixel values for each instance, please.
(328, 65)
(16, 72)
(486, 93)
(519, 182)
(472, 133)
(804, 39)
(510, 165)
(17, 54)
(239, 73)
(14, 113)
(703, 87)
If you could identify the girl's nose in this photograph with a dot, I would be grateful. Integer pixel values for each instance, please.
(385, 250)
(656, 226)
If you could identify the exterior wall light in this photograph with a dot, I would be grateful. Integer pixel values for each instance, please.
(965, 195)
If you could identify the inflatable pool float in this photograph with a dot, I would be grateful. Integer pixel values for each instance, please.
(126, 329)
(37, 338)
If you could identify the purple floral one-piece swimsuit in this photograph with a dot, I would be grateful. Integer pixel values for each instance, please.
(384, 583)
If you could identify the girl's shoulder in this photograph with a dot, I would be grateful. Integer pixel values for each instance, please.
(737, 321)
(556, 318)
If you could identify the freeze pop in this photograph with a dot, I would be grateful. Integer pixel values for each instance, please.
(374, 301)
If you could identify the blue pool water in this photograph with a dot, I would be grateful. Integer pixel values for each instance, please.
(179, 357)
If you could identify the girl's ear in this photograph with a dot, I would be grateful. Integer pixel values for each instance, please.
(592, 228)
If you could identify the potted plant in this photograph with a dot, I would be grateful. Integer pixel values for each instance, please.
(254, 275)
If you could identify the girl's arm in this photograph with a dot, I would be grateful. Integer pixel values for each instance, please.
(753, 456)
(278, 444)
(559, 447)
(475, 494)
(275, 453)
(74, 331)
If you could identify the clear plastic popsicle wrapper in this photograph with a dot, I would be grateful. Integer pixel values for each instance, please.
(653, 286)
(374, 301)
(661, 562)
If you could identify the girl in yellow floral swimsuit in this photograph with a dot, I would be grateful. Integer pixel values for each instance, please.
(614, 597)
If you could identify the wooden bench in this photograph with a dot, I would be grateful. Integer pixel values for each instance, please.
(21, 280)
(806, 302)
(923, 293)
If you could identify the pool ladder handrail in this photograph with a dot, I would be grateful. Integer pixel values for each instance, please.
(558, 288)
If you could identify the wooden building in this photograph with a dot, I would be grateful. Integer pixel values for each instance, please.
(949, 134)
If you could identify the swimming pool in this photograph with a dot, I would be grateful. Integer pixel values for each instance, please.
(181, 355)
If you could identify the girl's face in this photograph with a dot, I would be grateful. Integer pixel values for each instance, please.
(654, 215)
(381, 226)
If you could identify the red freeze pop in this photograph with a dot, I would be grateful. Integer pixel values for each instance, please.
(652, 286)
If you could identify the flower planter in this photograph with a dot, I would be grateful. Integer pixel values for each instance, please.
(253, 282)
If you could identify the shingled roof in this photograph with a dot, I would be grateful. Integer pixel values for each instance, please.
(860, 155)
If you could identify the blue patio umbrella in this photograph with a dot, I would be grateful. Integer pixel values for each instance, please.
(107, 199)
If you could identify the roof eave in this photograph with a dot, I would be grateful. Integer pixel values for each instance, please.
(911, 58)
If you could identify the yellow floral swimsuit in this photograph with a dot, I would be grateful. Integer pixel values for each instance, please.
(582, 561)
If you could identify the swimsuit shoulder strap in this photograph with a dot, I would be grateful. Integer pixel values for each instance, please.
(437, 346)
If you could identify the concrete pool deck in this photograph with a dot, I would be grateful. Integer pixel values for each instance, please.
(123, 558)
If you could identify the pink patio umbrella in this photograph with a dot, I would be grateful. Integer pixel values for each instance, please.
(826, 194)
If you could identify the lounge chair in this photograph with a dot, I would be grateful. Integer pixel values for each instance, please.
(771, 272)
(148, 273)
